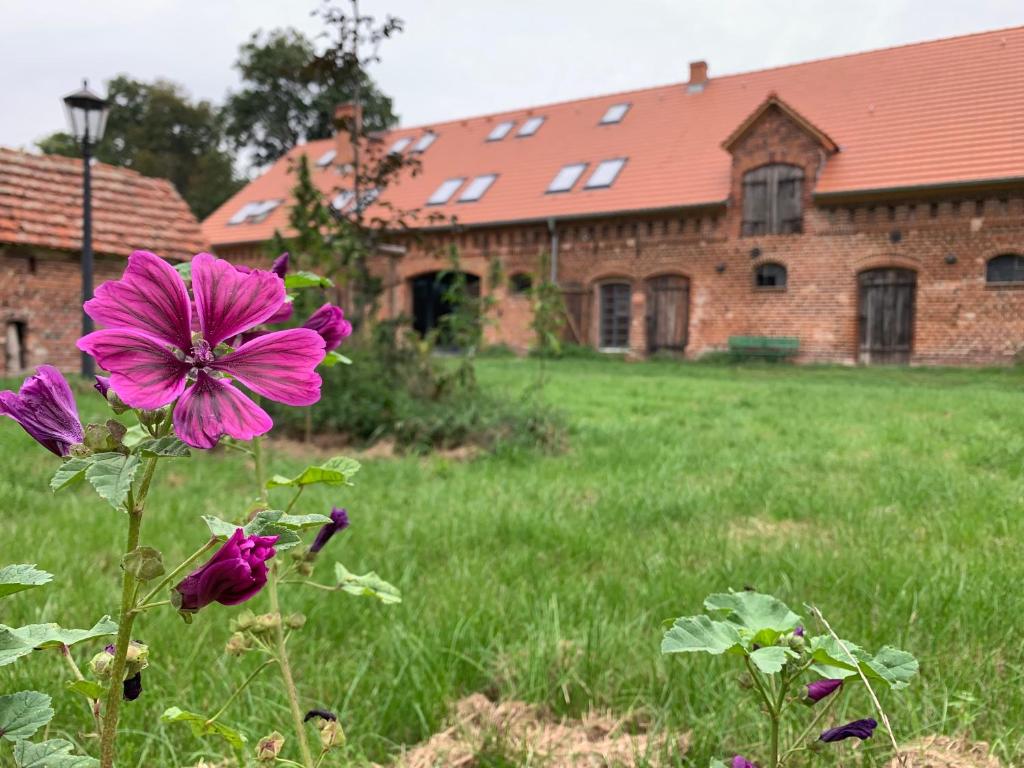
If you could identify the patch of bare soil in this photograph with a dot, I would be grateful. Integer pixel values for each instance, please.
(946, 752)
(523, 734)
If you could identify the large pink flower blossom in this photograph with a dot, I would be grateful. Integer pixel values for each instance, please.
(152, 355)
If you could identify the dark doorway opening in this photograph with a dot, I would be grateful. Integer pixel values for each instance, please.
(430, 301)
(614, 318)
(668, 313)
(886, 315)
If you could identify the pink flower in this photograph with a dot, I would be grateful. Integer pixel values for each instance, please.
(152, 355)
(235, 573)
(329, 321)
(45, 408)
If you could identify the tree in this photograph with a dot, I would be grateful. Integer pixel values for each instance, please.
(158, 131)
(286, 99)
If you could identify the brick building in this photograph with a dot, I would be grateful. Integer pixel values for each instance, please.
(871, 206)
(41, 240)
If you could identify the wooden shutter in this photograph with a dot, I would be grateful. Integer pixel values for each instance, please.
(788, 203)
(756, 207)
(773, 200)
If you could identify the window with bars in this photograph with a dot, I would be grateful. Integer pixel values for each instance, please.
(1006, 268)
(770, 275)
(614, 317)
(773, 200)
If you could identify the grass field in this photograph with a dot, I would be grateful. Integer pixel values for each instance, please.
(890, 498)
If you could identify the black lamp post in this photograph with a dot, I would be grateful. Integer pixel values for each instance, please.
(87, 117)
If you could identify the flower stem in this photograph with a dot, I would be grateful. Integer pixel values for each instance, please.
(108, 731)
(240, 688)
(93, 703)
(286, 673)
(294, 499)
(146, 606)
(810, 727)
(261, 471)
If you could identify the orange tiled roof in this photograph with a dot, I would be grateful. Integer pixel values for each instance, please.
(943, 112)
(41, 205)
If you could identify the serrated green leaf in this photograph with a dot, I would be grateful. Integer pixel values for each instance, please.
(265, 523)
(765, 637)
(770, 659)
(88, 688)
(16, 642)
(699, 634)
(111, 474)
(830, 659)
(333, 358)
(369, 585)
(55, 753)
(304, 279)
(70, 473)
(302, 522)
(335, 471)
(894, 666)
(716, 763)
(752, 611)
(17, 578)
(201, 727)
(135, 435)
(168, 446)
(23, 713)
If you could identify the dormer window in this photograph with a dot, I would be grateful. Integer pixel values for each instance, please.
(773, 200)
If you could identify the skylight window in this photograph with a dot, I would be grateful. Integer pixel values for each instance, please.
(425, 141)
(342, 200)
(605, 173)
(530, 127)
(444, 193)
(615, 114)
(243, 213)
(477, 187)
(326, 158)
(400, 145)
(254, 211)
(500, 131)
(368, 198)
(566, 178)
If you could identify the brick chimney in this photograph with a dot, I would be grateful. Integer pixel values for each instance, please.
(698, 76)
(346, 116)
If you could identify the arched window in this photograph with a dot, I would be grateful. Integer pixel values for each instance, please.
(773, 200)
(1006, 268)
(614, 315)
(770, 275)
(520, 283)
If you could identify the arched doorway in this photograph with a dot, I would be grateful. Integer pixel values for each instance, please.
(668, 313)
(886, 315)
(613, 316)
(430, 300)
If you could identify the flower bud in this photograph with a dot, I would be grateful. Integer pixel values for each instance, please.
(820, 689)
(797, 643)
(244, 621)
(295, 621)
(306, 569)
(267, 622)
(269, 747)
(101, 665)
(237, 644)
(331, 734)
(745, 681)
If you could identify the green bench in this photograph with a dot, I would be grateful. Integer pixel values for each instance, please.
(776, 347)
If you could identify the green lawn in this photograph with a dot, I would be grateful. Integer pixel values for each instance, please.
(890, 498)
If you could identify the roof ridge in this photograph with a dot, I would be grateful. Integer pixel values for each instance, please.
(66, 161)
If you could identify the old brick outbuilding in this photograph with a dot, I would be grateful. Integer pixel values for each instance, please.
(41, 241)
(871, 206)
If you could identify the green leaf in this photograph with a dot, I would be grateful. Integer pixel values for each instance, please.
(168, 446)
(302, 522)
(111, 474)
(265, 523)
(16, 642)
(135, 435)
(716, 763)
(894, 666)
(55, 753)
(695, 634)
(830, 659)
(770, 659)
(184, 269)
(200, 726)
(70, 473)
(332, 359)
(303, 279)
(23, 713)
(369, 585)
(335, 471)
(752, 611)
(17, 578)
(88, 688)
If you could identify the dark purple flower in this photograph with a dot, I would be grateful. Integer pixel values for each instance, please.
(280, 265)
(133, 687)
(234, 574)
(799, 631)
(323, 714)
(741, 762)
(45, 408)
(339, 522)
(102, 386)
(329, 321)
(819, 689)
(860, 729)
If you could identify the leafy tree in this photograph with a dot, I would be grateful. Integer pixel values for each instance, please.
(155, 129)
(286, 98)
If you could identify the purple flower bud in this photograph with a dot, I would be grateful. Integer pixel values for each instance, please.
(132, 687)
(235, 573)
(323, 714)
(799, 631)
(819, 689)
(741, 762)
(45, 408)
(102, 386)
(339, 522)
(860, 729)
(329, 321)
(280, 265)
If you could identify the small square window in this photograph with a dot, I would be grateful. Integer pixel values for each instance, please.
(605, 173)
(400, 146)
(530, 127)
(444, 192)
(615, 114)
(500, 131)
(424, 142)
(477, 187)
(566, 178)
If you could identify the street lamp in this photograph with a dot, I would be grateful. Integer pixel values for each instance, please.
(87, 117)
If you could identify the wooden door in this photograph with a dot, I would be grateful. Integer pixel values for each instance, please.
(668, 312)
(887, 315)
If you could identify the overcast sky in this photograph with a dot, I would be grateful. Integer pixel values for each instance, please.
(457, 57)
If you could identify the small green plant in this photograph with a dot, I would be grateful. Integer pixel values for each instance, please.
(785, 667)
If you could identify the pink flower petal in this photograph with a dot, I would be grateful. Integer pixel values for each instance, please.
(150, 297)
(212, 408)
(279, 365)
(143, 370)
(229, 301)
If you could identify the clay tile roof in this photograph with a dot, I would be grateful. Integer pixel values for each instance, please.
(945, 112)
(774, 102)
(41, 205)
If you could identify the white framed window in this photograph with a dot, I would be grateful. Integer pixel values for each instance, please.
(615, 300)
(243, 213)
(614, 114)
(477, 187)
(444, 192)
(327, 158)
(500, 131)
(342, 200)
(530, 127)
(400, 146)
(566, 178)
(605, 173)
(424, 142)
